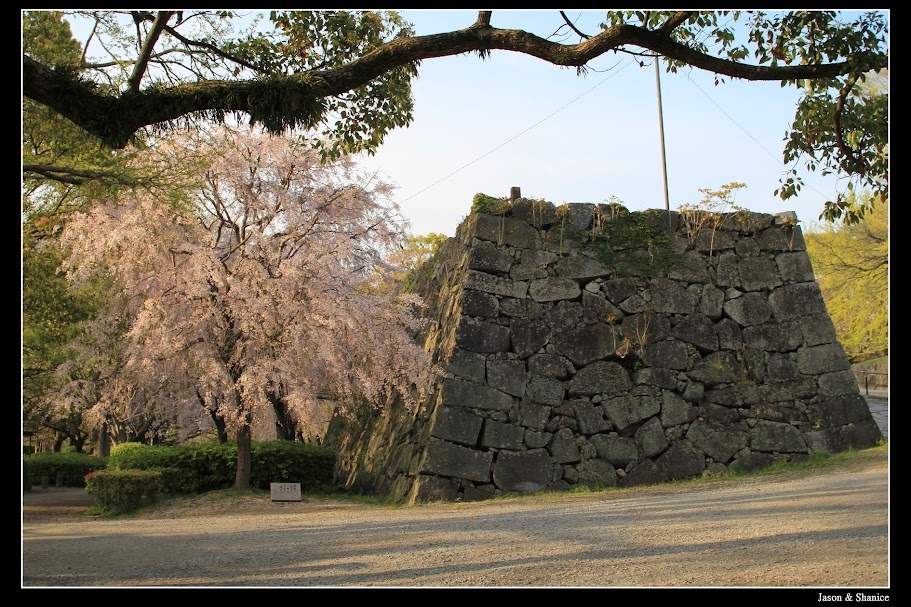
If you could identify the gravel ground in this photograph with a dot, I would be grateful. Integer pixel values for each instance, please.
(826, 528)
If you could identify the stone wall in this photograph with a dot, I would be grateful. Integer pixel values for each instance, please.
(587, 345)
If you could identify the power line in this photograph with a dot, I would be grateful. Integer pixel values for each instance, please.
(747, 133)
(510, 140)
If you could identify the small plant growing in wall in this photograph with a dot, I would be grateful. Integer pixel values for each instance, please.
(562, 214)
(488, 205)
(791, 224)
(610, 209)
(635, 345)
(620, 349)
(482, 203)
(537, 211)
(642, 330)
(637, 243)
(710, 212)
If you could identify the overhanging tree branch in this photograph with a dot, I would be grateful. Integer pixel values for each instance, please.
(75, 176)
(148, 46)
(296, 100)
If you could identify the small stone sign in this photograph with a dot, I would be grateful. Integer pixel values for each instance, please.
(286, 492)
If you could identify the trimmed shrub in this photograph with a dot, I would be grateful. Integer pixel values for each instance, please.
(214, 465)
(120, 491)
(290, 462)
(72, 467)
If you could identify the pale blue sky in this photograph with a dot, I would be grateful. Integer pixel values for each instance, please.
(512, 120)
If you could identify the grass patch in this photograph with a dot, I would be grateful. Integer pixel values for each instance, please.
(882, 360)
(818, 462)
(229, 501)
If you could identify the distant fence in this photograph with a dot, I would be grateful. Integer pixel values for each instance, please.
(878, 381)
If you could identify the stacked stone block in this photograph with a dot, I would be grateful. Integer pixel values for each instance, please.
(587, 345)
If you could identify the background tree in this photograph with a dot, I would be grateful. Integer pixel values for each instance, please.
(260, 290)
(851, 263)
(66, 168)
(346, 74)
(408, 263)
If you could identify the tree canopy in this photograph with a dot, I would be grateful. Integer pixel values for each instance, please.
(851, 263)
(258, 292)
(345, 75)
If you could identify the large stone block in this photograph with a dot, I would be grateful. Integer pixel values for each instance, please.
(498, 435)
(719, 441)
(507, 376)
(469, 365)
(670, 354)
(580, 267)
(795, 267)
(600, 377)
(505, 230)
(457, 425)
(748, 310)
(645, 473)
(796, 301)
(549, 365)
(589, 418)
(651, 438)
(522, 470)
(718, 368)
(618, 450)
(554, 289)
(447, 459)
(773, 337)
(461, 393)
(758, 274)
(498, 285)
(481, 336)
(486, 257)
(563, 316)
(815, 360)
(563, 447)
(544, 390)
(625, 410)
(670, 297)
(429, 489)
(839, 411)
(680, 461)
(478, 303)
(528, 335)
(675, 411)
(586, 345)
(538, 213)
(597, 473)
(779, 437)
(697, 329)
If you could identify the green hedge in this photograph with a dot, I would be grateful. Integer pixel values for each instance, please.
(289, 462)
(118, 491)
(212, 466)
(71, 466)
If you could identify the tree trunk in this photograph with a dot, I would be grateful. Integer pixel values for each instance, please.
(244, 457)
(104, 441)
(78, 442)
(285, 428)
(220, 427)
(217, 419)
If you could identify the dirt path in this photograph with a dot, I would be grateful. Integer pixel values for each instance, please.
(827, 529)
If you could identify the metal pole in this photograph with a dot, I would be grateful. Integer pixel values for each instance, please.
(667, 203)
